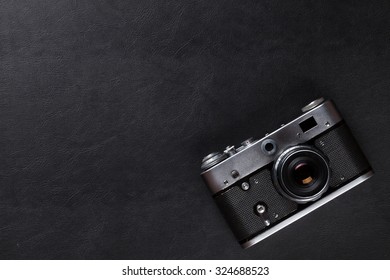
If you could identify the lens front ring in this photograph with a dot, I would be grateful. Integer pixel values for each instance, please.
(301, 174)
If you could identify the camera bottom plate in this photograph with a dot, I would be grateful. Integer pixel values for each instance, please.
(307, 210)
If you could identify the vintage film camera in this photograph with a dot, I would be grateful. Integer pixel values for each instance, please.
(265, 185)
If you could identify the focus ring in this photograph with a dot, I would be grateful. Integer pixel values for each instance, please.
(308, 188)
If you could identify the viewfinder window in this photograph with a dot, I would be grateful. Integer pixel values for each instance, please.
(308, 124)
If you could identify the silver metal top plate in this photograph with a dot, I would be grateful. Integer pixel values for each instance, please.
(253, 157)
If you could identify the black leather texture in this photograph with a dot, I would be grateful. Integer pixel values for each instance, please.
(107, 108)
(346, 159)
(238, 206)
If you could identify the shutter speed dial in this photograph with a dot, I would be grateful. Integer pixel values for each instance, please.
(212, 159)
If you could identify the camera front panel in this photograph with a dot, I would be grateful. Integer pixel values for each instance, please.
(345, 161)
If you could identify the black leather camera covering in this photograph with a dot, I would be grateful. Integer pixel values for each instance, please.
(238, 206)
(346, 159)
(107, 108)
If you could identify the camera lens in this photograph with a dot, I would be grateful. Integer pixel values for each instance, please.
(301, 174)
(304, 173)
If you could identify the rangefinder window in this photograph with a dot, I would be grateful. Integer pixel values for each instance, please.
(308, 124)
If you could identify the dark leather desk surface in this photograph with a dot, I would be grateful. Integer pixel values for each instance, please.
(107, 107)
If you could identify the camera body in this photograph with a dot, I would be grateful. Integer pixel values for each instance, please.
(265, 185)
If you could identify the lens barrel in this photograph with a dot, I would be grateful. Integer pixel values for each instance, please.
(301, 174)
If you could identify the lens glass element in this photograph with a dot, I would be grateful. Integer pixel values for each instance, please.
(302, 173)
